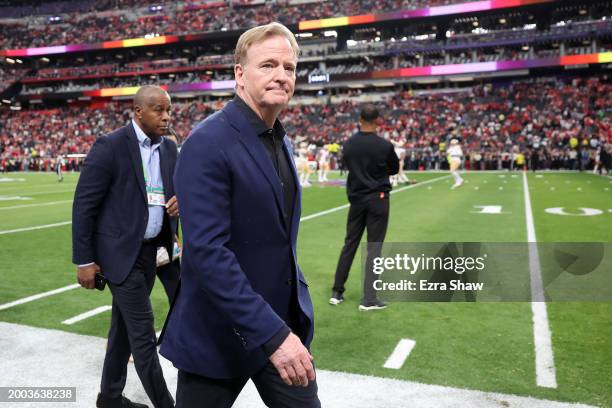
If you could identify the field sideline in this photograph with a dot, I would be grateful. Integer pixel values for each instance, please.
(481, 346)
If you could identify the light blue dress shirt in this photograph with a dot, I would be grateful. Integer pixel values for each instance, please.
(152, 171)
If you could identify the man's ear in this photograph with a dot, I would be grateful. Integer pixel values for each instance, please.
(138, 111)
(238, 74)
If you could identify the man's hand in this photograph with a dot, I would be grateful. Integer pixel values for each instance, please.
(293, 362)
(86, 275)
(172, 207)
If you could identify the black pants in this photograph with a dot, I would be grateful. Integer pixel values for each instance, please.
(194, 391)
(371, 213)
(132, 331)
(169, 275)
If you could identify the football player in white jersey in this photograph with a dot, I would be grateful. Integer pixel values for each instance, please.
(455, 156)
(302, 164)
(323, 163)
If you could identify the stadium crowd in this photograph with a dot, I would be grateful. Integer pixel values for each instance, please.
(78, 27)
(564, 121)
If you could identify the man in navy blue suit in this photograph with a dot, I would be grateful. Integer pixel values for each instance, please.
(124, 208)
(243, 310)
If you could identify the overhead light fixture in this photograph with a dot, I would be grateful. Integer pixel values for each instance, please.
(15, 107)
(525, 48)
(475, 23)
(502, 21)
(10, 61)
(582, 12)
(6, 101)
(330, 33)
(44, 59)
(18, 61)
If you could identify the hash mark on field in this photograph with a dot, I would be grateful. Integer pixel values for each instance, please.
(400, 354)
(87, 315)
(38, 296)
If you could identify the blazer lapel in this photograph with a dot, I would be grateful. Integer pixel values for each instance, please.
(164, 168)
(297, 207)
(136, 159)
(256, 150)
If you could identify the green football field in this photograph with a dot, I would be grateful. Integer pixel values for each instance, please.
(485, 346)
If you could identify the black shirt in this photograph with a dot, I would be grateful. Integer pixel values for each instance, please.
(272, 139)
(370, 160)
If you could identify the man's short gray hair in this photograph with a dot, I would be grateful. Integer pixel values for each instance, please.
(259, 33)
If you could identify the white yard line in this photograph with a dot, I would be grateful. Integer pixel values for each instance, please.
(38, 296)
(544, 359)
(37, 192)
(14, 207)
(400, 354)
(36, 227)
(342, 207)
(87, 315)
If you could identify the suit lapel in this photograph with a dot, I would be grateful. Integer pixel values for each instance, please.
(256, 150)
(163, 165)
(298, 188)
(136, 159)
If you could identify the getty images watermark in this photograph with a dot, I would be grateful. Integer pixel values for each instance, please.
(474, 271)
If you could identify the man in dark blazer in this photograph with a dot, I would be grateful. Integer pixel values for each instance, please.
(243, 310)
(124, 208)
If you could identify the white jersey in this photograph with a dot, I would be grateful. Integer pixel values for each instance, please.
(455, 152)
(323, 155)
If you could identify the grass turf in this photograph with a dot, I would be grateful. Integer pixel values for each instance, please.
(485, 346)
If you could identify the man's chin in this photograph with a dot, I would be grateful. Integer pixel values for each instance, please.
(277, 101)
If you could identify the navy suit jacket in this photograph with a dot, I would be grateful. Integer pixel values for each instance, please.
(239, 267)
(110, 210)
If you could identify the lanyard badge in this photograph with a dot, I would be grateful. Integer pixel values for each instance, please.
(155, 195)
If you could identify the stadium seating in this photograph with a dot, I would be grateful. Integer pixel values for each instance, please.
(131, 19)
(492, 121)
